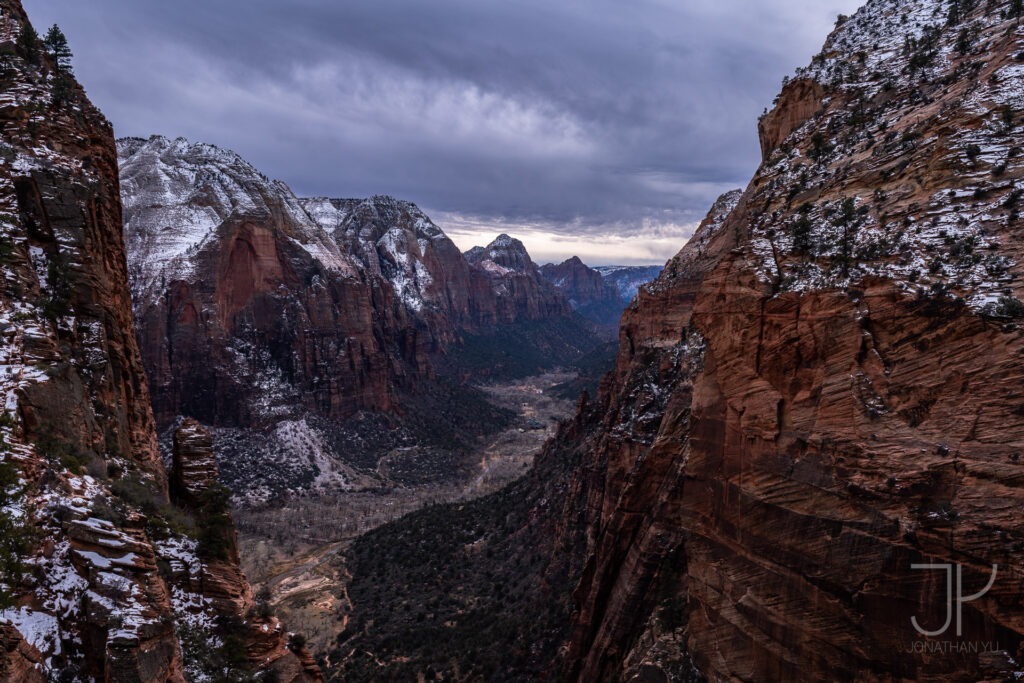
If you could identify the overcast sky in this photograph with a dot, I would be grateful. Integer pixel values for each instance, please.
(604, 128)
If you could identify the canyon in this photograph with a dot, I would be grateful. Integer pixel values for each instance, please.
(813, 404)
(811, 422)
(319, 337)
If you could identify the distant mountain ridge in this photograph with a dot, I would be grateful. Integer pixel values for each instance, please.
(294, 325)
(587, 290)
(600, 293)
(629, 279)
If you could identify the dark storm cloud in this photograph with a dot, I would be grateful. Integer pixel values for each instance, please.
(600, 117)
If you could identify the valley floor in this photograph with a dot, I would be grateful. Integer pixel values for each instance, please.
(293, 550)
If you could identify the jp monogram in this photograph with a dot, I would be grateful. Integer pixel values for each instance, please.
(958, 600)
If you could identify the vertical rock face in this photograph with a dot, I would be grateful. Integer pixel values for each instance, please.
(193, 464)
(820, 391)
(63, 252)
(633, 578)
(95, 561)
(195, 486)
(236, 287)
(587, 290)
(802, 99)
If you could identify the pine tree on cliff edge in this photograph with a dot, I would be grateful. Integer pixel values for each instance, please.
(57, 44)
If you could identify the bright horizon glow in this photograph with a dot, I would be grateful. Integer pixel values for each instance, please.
(545, 247)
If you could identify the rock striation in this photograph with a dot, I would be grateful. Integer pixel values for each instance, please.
(95, 558)
(819, 391)
(193, 464)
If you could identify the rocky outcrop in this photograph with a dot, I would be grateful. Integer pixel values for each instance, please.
(196, 487)
(193, 464)
(819, 392)
(801, 99)
(91, 541)
(588, 292)
(19, 661)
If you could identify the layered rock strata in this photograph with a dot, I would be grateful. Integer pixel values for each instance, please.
(820, 391)
(90, 538)
(317, 337)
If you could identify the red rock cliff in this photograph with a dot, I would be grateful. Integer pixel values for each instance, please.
(822, 389)
(237, 288)
(91, 541)
(296, 326)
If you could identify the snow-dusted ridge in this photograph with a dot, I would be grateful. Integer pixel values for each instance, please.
(911, 84)
(176, 194)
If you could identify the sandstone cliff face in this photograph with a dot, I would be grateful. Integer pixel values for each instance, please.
(239, 292)
(254, 319)
(196, 487)
(802, 99)
(820, 391)
(587, 290)
(84, 505)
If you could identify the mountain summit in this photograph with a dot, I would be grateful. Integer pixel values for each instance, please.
(588, 291)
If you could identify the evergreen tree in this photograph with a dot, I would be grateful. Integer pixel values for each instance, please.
(215, 534)
(803, 240)
(28, 43)
(57, 44)
(63, 89)
(1016, 9)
